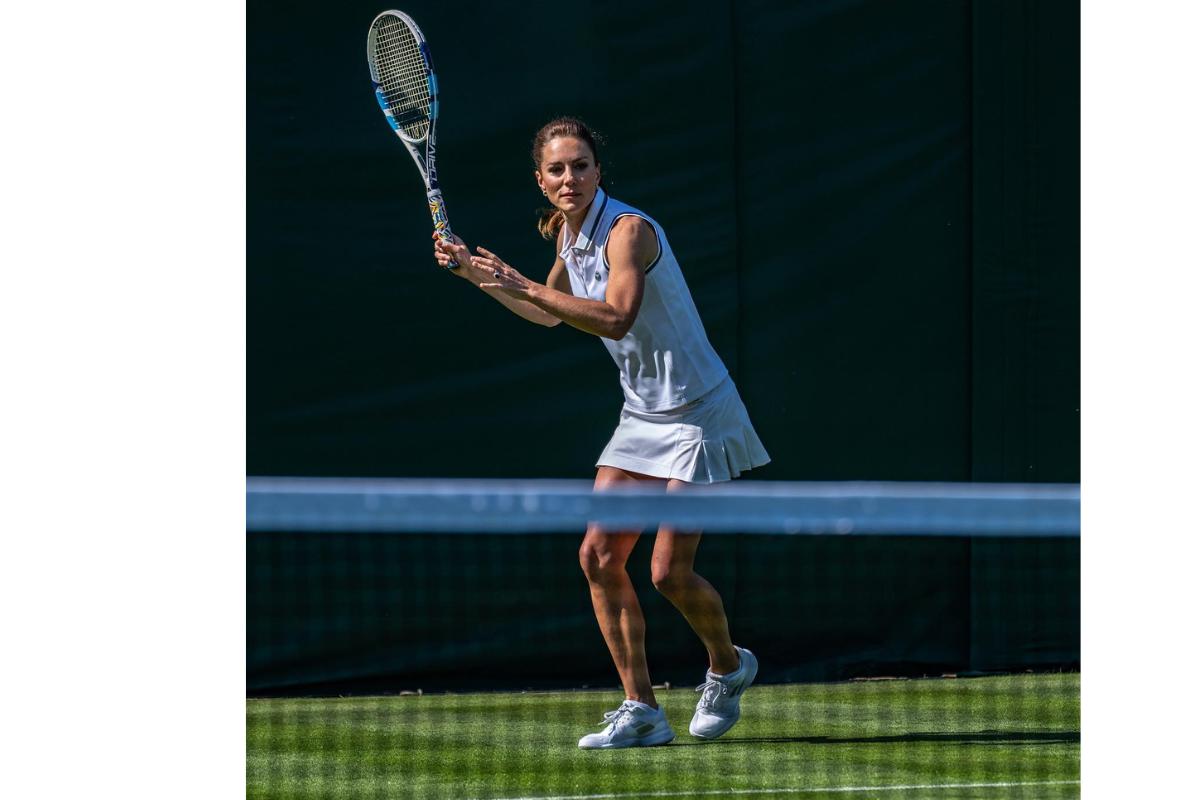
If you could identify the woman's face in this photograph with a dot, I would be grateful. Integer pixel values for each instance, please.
(569, 174)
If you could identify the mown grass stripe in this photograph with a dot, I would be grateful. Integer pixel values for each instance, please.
(803, 790)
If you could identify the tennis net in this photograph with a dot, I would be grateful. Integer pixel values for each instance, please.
(931, 509)
(436, 638)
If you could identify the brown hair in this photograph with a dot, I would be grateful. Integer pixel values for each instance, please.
(551, 218)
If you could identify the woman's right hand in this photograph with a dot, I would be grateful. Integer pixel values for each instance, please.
(448, 251)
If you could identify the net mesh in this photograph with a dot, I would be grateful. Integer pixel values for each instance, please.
(401, 70)
(438, 639)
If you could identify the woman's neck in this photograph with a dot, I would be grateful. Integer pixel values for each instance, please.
(575, 221)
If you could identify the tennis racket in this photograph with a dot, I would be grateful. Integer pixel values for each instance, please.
(406, 90)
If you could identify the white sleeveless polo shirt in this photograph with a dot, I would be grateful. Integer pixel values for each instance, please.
(665, 360)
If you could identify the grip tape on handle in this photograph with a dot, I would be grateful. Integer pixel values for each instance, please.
(441, 222)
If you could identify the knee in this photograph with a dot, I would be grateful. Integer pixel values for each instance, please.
(599, 564)
(670, 579)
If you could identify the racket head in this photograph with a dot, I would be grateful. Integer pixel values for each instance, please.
(402, 71)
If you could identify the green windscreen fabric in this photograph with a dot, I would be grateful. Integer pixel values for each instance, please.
(332, 612)
(875, 206)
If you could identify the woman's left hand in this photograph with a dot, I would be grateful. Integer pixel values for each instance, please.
(503, 276)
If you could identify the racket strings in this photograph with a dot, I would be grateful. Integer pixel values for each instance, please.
(403, 76)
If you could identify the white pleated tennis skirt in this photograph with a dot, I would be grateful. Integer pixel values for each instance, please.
(707, 441)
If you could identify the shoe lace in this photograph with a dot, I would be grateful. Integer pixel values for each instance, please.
(613, 717)
(713, 692)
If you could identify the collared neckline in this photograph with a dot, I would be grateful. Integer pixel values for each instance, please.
(587, 231)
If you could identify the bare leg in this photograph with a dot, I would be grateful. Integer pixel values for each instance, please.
(603, 556)
(672, 569)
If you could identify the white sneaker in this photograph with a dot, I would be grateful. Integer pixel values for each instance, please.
(632, 725)
(720, 701)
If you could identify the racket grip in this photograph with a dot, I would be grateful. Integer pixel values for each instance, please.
(441, 222)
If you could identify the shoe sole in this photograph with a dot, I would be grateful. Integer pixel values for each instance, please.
(656, 740)
(738, 715)
(718, 733)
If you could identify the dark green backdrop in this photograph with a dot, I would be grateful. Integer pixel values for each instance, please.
(875, 203)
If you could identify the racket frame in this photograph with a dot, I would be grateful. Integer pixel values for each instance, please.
(424, 149)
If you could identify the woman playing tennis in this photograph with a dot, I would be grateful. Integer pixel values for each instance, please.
(682, 423)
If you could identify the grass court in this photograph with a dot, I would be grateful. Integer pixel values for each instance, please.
(1013, 736)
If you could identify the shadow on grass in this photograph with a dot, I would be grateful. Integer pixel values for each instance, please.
(979, 737)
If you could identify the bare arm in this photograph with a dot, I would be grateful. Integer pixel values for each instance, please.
(477, 275)
(632, 246)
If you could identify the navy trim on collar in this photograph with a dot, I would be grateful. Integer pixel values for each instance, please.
(596, 213)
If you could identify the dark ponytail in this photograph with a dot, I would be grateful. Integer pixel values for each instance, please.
(551, 219)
